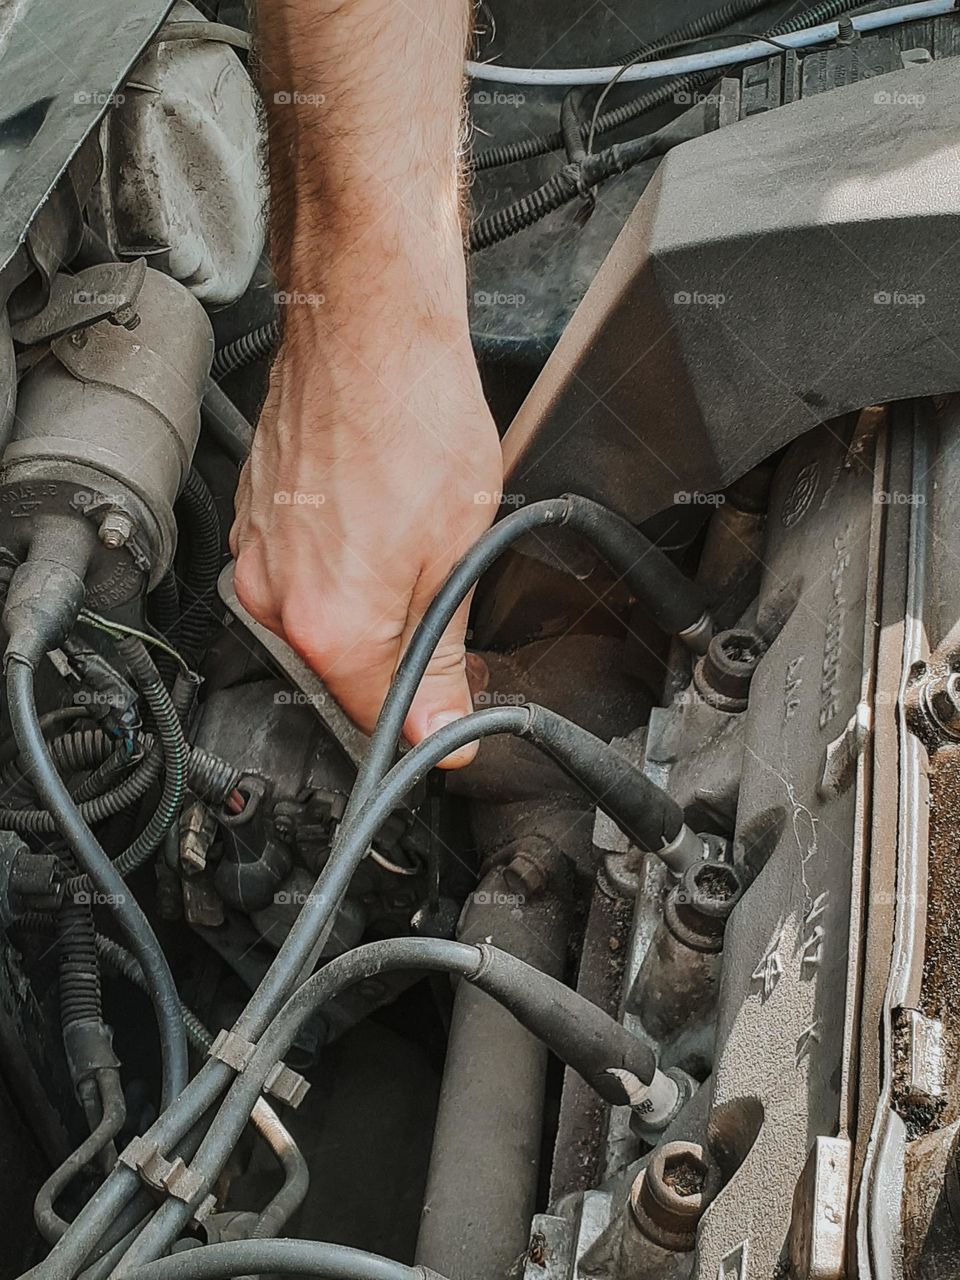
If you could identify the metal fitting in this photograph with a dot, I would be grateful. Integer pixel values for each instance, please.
(661, 1102)
(116, 529)
(684, 851)
(669, 1197)
(722, 676)
(698, 906)
(940, 698)
(526, 874)
(697, 636)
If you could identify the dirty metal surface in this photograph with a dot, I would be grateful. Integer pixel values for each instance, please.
(786, 973)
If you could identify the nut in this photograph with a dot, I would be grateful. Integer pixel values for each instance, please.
(116, 529)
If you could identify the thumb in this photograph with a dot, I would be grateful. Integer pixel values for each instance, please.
(444, 695)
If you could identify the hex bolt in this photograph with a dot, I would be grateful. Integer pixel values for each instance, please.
(116, 529)
(670, 1196)
(525, 874)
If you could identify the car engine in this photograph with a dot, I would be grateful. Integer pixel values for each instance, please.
(665, 985)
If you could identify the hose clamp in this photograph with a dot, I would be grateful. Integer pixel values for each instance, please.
(283, 1083)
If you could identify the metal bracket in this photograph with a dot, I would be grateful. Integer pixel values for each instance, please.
(283, 1083)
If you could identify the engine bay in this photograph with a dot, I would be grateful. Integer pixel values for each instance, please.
(664, 984)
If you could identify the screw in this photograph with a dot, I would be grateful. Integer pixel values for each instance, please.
(116, 529)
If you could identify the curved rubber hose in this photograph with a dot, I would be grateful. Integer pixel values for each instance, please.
(49, 1223)
(289, 1257)
(103, 875)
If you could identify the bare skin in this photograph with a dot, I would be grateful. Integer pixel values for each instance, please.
(376, 462)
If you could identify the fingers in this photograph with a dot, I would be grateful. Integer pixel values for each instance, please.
(444, 693)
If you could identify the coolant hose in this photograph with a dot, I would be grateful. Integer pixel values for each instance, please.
(288, 1257)
(95, 863)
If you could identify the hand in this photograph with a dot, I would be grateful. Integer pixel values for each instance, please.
(376, 465)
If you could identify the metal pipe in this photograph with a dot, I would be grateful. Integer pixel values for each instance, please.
(482, 1184)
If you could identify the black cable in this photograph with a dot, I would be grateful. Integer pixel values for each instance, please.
(201, 522)
(289, 1257)
(585, 1037)
(698, 29)
(528, 148)
(572, 180)
(103, 875)
(110, 1199)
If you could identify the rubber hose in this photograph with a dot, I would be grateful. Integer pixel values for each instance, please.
(589, 1040)
(113, 1114)
(289, 1257)
(572, 180)
(198, 513)
(96, 864)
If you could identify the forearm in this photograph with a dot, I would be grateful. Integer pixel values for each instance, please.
(364, 111)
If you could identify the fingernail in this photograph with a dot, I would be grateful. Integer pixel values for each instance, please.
(456, 758)
(441, 719)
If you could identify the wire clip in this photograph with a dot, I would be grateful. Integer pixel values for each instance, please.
(283, 1083)
(173, 1176)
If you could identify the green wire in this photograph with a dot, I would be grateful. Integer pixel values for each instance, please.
(117, 629)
